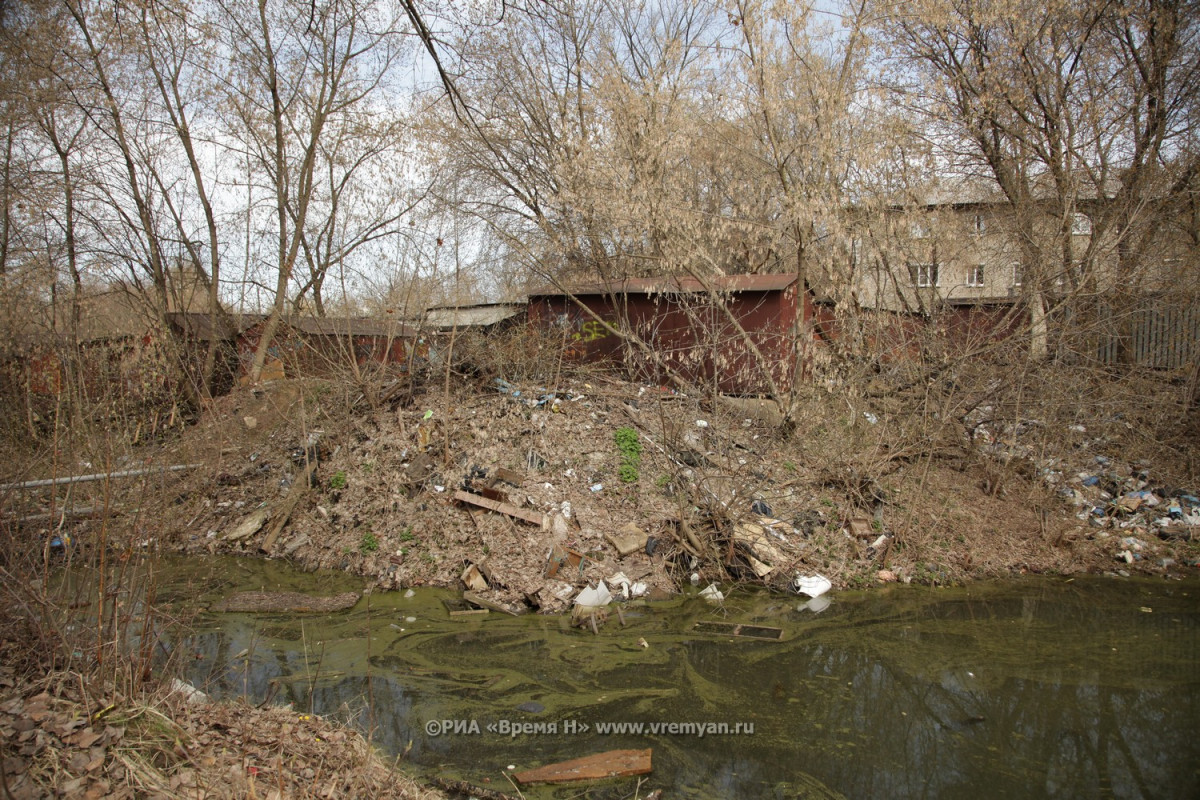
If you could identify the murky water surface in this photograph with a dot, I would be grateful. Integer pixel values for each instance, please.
(1037, 688)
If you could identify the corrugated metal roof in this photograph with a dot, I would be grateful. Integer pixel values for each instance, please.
(474, 316)
(675, 285)
(198, 325)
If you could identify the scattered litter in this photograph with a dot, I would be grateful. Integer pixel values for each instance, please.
(628, 540)
(191, 694)
(628, 589)
(473, 579)
(491, 605)
(504, 508)
(712, 594)
(594, 597)
(812, 585)
(567, 563)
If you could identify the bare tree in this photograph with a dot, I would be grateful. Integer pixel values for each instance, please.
(302, 75)
(1071, 109)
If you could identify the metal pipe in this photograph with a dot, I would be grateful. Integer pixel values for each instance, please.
(129, 473)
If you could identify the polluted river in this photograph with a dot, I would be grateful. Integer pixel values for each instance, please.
(1046, 687)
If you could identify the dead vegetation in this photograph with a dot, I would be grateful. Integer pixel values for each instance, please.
(525, 482)
(64, 735)
(911, 470)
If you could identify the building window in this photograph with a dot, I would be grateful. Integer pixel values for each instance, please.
(975, 276)
(980, 225)
(1017, 273)
(920, 229)
(924, 275)
(1081, 224)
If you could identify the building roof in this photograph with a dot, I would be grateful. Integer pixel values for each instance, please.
(198, 325)
(479, 315)
(676, 285)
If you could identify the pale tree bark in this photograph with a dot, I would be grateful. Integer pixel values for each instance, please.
(173, 51)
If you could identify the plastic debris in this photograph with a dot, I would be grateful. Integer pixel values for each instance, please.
(812, 585)
(712, 594)
(594, 597)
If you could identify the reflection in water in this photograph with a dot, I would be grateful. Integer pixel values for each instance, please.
(1040, 688)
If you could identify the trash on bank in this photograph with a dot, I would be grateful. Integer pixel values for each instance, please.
(507, 509)
(712, 594)
(483, 602)
(594, 597)
(628, 540)
(565, 564)
(191, 694)
(473, 579)
(627, 588)
(812, 585)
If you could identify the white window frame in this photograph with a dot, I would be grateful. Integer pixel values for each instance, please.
(976, 276)
(1016, 279)
(925, 275)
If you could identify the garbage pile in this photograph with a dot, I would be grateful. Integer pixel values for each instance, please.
(1123, 502)
(1117, 500)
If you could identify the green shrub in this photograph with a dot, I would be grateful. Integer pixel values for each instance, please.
(369, 543)
(630, 449)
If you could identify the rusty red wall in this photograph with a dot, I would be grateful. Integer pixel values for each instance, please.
(894, 336)
(304, 354)
(691, 335)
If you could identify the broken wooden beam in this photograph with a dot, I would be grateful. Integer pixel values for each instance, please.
(483, 602)
(510, 476)
(250, 525)
(99, 476)
(503, 508)
(739, 629)
(612, 764)
(298, 490)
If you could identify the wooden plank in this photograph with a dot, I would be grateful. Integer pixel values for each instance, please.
(298, 490)
(739, 629)
(471, 597)
(613, 764)
(503, 508)
(510, 476)
(250, 524)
